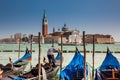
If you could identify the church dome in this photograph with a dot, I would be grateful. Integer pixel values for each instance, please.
(65, 28)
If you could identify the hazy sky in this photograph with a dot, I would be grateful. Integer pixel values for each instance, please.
(92, 16)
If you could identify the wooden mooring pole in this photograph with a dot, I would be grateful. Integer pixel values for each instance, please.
(61, 51)
(84, 46)
(19, 48)
(93, 56)
(31, 38)
(52, 42)
(39, 65)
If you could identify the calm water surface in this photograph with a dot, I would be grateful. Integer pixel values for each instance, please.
(99, 57)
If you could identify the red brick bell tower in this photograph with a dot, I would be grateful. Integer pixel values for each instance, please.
(44, 25)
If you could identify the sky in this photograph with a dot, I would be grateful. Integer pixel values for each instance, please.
(91, 16)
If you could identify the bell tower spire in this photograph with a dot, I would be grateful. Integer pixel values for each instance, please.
(44, 24)
(44, 16)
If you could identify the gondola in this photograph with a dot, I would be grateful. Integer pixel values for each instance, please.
(17, 67)
(47, 73)
(75, 69)
(110, 68)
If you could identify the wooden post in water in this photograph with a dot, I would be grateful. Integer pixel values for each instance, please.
(19, 48)
(52, 42)
(39, 65)
(84, 45)
(31, 38)
(61, 51)
(93, 56)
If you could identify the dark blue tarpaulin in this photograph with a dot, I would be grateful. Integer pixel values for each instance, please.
(76, 65)
(110, 62)
(59, 56)
(18, 79)
(26, 56)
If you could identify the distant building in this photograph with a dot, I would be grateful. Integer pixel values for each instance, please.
(100, 39)
(65, 28)
(72, 36)
(57, 33)
(17, 36)
(52, 39)
(8, 40)
(35, 39)
(69, 36)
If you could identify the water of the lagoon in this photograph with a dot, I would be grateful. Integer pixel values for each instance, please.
(99, 57)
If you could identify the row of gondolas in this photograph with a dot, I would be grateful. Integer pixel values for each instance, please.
(109, 70)
(15, 70)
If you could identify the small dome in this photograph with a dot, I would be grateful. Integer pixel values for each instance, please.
(65, 28)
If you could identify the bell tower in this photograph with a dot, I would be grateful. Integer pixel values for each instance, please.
(44, 24)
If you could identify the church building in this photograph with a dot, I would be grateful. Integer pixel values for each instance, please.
(69, 36)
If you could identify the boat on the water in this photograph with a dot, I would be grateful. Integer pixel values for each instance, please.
(75, 69)
(110, 68)
(17, 67)
(47, 71)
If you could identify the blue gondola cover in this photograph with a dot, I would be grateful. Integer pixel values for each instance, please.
(26, 56)
(110, 62)
(18, 79)
(77, 64)
(59, 56)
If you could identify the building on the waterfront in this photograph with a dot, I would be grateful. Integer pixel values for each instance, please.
(35, 39)
(65, 28)
(74, 37)
(51, 39)
(99, 38)
(17, 36)
(69, 36)
(8, 40)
